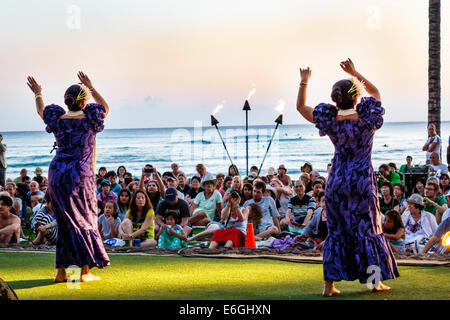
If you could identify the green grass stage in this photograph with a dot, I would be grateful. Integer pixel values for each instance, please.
(173, 278)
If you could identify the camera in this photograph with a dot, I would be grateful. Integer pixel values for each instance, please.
(148, 170)
(234, 194)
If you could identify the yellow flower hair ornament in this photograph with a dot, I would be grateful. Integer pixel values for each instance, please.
(84, 94)
(358, 88)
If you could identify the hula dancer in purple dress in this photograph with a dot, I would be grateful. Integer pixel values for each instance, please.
(355, 245)
(71, 177)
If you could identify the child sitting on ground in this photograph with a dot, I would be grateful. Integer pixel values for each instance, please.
(109, 222)
(394, 231)
(171, 234)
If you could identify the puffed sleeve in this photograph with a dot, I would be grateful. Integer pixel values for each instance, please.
(324, 116)
(95, 114)
(371, 112)
(51, 115)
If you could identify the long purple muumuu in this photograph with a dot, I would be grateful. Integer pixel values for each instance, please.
(72, 187)
(355, 238)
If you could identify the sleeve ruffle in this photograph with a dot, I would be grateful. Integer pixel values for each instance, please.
(371, 111)
(95, 114)
(51, 115)
(324, 116)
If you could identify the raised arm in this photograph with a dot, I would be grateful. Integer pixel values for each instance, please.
(97, 97)
(349, 67)
(37, 90)
(305, 111)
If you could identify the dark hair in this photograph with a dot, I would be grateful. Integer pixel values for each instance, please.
(7, 200)
(253, 168)
(321, 195)
(255, 213)
(401, 186)
(227, 178)
(70, 97)
(392, 165)
(317, 182)
(236, 171)
(397, 218)
(119, 204)
(389, 185)
(38, 179)
(265, 179)
(409, 157)
(260, 185)
(115, 213)
(340, 94)
(384, 167)
(133, 207)
(196, 178)
(173, 214)
(111, 174)
(123, 168)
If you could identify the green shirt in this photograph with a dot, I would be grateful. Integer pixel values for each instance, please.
(393, 177)
(403, 168)
(439, 200)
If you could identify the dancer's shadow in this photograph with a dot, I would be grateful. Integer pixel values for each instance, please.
(27, 284)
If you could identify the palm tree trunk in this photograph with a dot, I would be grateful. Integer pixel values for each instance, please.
(434, 65)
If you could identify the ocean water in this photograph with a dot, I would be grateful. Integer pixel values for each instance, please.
(292, 146)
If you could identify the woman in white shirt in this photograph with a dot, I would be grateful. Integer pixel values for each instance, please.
(419, 225)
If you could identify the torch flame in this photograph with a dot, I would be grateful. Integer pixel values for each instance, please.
(251, 93)
(280, 106)
(446, 240)
(220, 106)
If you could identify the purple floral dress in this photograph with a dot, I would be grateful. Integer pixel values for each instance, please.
(355, 239)
(72, 188)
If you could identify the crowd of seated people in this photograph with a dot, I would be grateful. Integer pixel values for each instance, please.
(164, 209)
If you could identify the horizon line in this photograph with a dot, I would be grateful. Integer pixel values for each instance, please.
(232, 126)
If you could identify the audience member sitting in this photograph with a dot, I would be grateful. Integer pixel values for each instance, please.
(44, 225)
(109, 222)
(306, 178)
(270, 223)
(35, 193)
(172, 204)
(139, 222)
(175, 169)
(220, 178)
(101, 173)
(247, 192)
(271, 174)
(172, 234)
(420, 186)
(444, 181)
(38, 175)
(233, 225)
(317, 189)
(121, 171)
(317, 226)
(106, 194)
(172, 182)
(283, 177)
(207, 205)
(419, 224)
(399, 195)
(111, 176)
(183, 185)
(387, 199)
(307, 167)
(9, 223)
(434, 203)
(127, 179)
(386, 175)
(123, 202)
(236, 185)
(17, 202)
(283, 195)
(394, 230)
(300, 209)
(202, 172)
(254, 169)
(44, 185)
(254, 215)
(194, 190)
(20, 178)
(435, 164)
(233, 171)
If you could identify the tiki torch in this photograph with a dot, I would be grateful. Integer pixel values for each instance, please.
(247, 109)
(215, 122)
(278, 121)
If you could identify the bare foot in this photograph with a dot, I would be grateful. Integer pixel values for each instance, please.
(380, 287)
(329, 289)
(61, 276)
(89, 277)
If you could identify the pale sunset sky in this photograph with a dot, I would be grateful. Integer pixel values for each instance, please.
(170, 63)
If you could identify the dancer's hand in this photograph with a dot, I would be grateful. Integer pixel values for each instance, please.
(85, 80)
(305, 74)
(348, 67)
(33, 85)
